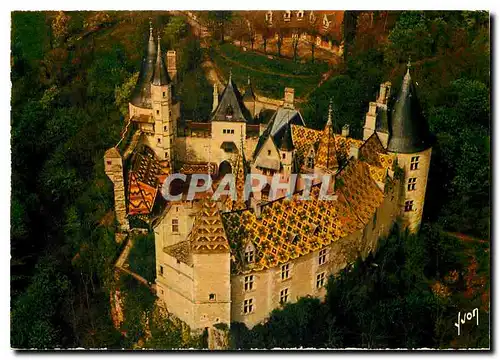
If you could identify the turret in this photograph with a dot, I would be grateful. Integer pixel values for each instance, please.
(410, 140)
(141, 96)
(161, 94)
(249, 99)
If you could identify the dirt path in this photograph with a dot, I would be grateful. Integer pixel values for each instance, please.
(120, 264)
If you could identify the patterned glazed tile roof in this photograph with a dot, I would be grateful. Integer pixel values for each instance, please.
(370, 150)
(141, 196)
(291, 228)
(361, 192)
(208, 235)
(239, 173)
(143, 180)
(303, 138)
(326, 157)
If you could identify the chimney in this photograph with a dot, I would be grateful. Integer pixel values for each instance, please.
(289, 98)
(345, 130)
(354, 151)
(382, 94)
(372, 110)
(216, 98)
(172, 64)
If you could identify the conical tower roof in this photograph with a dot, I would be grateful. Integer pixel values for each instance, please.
(141, 96)
(409, 132)
(160, 75)
(230, 106)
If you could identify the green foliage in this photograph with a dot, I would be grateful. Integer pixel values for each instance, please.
(123, 93)
(30, 36)
(138, 303)
(35, 311)
(175, 29)
(106, 73)
(142, 256)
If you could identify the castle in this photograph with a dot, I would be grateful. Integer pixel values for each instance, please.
(235, 260)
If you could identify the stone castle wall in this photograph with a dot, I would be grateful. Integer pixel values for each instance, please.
(413, 218)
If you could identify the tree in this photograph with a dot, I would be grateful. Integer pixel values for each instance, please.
(410, 37)
(218, 21)
(123, 93)
(60, 26)
(175, 30)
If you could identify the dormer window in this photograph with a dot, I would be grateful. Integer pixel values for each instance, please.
(229, 112)
(300, 14)
(250, 254)
(287, 15)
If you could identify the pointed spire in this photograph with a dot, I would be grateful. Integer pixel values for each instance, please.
(158, 55)
(408, 67)
(230, 75)
(160, 75)
(151, 44)
(329, 122)
(249, 80)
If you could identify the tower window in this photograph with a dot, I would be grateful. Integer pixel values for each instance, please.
(414, 162)
(164, 94)
(408, 205)
(175, 225)
(161, 270)
(412, 183)
(108, 162)
(224, 131)
(322, 257)
(248, 306)
(159, 140)
(284, 296)
(164, 128)
(232, 131)
(157, 112)
(248, 282)
(285, 271)
(268, 152)
(211, 297)
(283, 156)
(320, 280)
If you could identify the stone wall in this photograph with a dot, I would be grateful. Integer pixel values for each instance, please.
(175, 286)
(211, 276)
(413, 218)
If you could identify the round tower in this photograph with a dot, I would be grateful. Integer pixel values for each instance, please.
(410, 140)
(161, 99)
